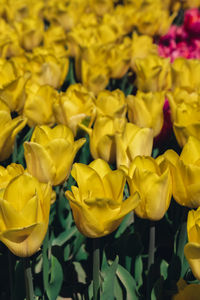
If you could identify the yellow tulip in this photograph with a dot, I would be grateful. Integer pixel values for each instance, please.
(153, 19)
(38, 107)
(185, 74)
(192, 248)
(47, 66)
(97, 203)
(13, 94)
(146, 110)
(24, 214)
(111, 104)
(185, 172)
(74, 106)
(30, 31)
(102, 137)
(50, 153)
(9, 43)
(8, 72)
(142, 45)
(153, 184)
(133, 141)
(91, 68)
(153, 73)
(119, 56)
(185, 114)
(9, 128)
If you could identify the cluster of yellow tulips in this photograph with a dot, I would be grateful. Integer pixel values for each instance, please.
(103, 42)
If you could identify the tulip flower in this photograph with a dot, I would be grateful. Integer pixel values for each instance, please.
(153, 73)
(47, 66)
(131, 142)
(24, 214)
(30, 32)
(50, 153)
(41, 97)
(185, 114)
(119, 56)
(153, 183)
(185, 172)
(102, 137)
(13, 94)
(146, 110)
(97, 203)
(185, 74)
(111, 104)
(192, 248)
(9, 128)
(74, 106)
(142, 46)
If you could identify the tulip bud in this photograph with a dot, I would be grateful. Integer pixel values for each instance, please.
(24, 214)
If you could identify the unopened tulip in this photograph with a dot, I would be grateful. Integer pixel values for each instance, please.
(153, 183)
(50, 153)
(133, 141)
(24, 214)
(97, 203)
(185, 172)
(146, 110)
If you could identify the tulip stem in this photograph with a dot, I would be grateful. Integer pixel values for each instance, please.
(28, 279)
(151, 245)
(96, 268)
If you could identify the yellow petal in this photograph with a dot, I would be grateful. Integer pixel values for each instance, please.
(11, 217)
(100, 166)
(114, 181)
(192, 254)
(191, 151)
(25, 242)
(39, 162)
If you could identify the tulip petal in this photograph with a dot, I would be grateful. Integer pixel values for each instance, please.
(191, 151)
(114, 181)
(28, 240)
(100, 166)
(39, 162)
(159, 196)
(62, 154)
(20, 190)
(129, 204)
(84, 174)
(11, 217)
(41, 135)
(192, 254)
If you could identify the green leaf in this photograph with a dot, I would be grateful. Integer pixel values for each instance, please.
(138, 269)
(128, 283)
(52, 272)
(109, 280)
(56, 279)
(164, 269)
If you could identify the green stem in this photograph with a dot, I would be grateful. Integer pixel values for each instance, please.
(151, 245)
(28, 279)
(96, 268)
